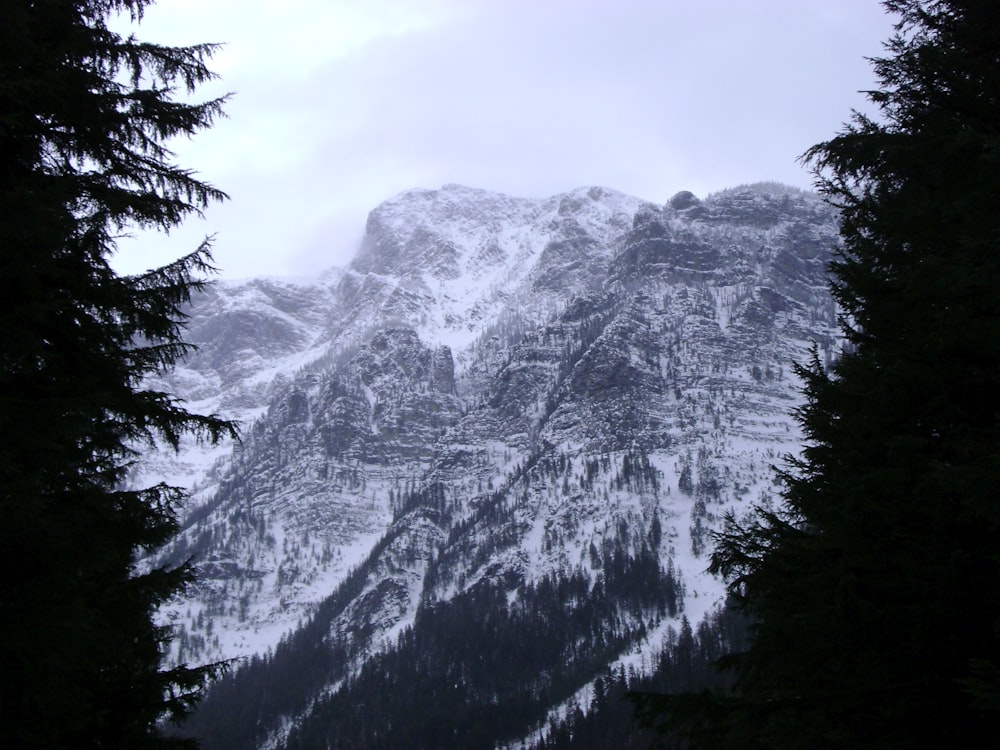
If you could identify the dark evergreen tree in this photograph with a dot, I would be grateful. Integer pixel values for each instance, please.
(84, 116)
(876, 590)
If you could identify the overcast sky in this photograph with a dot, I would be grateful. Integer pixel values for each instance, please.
(341, 104)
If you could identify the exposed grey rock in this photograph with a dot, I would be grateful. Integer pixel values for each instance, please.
(494, 388)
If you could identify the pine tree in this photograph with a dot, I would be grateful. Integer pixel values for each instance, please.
(84, 116)
(875, 592)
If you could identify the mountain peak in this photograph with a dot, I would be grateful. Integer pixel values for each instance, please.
(510, 421)
(684, 200)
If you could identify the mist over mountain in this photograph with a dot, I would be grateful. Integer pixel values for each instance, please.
(480, 465)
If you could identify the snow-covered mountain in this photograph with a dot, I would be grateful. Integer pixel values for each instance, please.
(481, 463)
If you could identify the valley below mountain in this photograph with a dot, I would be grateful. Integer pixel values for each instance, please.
(480, 466)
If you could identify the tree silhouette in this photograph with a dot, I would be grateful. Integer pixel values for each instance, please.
(875, 591)
(84, 115)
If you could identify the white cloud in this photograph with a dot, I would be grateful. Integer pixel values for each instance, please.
(340, 105)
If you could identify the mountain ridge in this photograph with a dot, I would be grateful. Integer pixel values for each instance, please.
(500, 400)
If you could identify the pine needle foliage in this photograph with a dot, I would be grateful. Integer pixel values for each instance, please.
(875, 592)
(85, 115)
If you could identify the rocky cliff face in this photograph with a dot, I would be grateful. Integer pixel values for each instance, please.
(486, 457)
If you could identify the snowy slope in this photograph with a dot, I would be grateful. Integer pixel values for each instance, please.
(499, 403)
